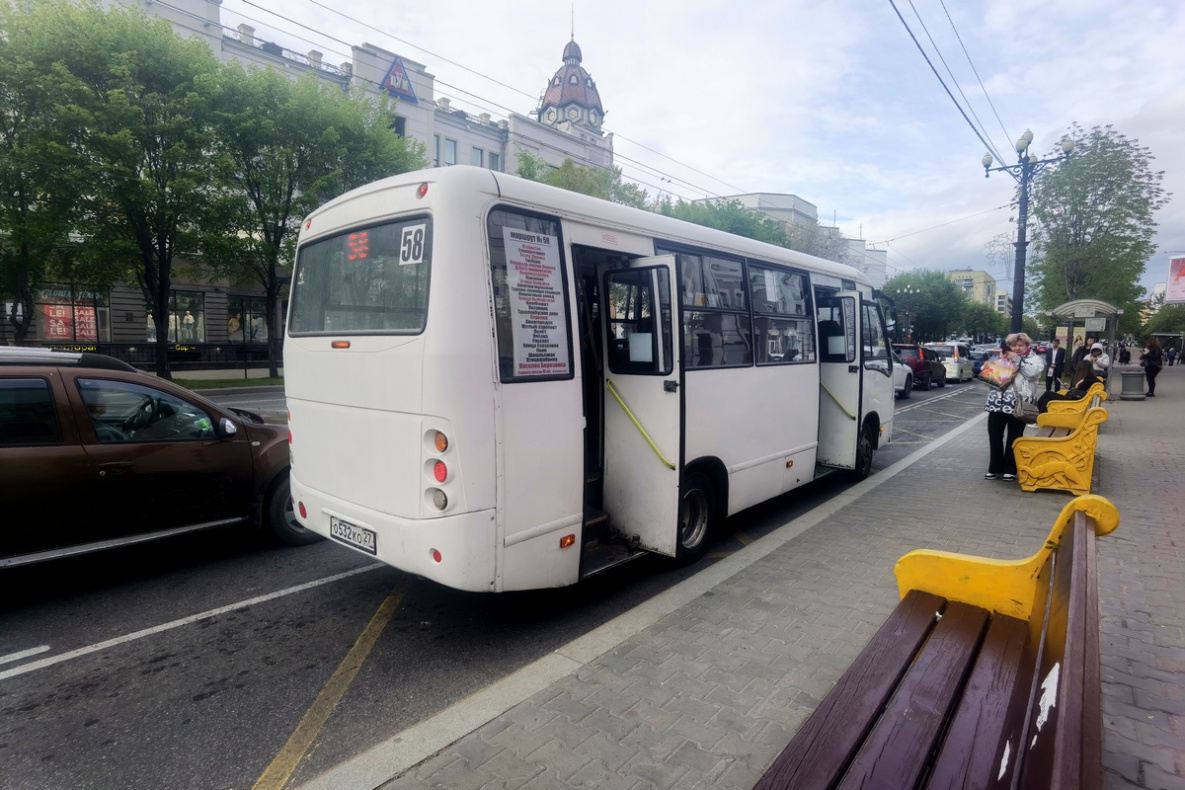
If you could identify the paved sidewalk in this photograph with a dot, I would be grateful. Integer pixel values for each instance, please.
(704, 685)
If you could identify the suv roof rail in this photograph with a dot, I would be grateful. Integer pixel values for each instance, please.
(14, 355)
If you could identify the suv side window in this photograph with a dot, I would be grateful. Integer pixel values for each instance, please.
(27, 413)
(124, 412)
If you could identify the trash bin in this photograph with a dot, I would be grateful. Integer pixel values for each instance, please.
(1133, 384)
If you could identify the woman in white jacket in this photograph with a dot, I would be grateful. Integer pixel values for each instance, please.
(1004, 427)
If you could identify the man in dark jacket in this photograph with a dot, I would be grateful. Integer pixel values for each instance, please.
(1055, 365)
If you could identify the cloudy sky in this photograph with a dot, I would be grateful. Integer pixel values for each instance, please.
(831, 101)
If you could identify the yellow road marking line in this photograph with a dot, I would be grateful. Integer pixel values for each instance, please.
(743, 538)
(285, 763)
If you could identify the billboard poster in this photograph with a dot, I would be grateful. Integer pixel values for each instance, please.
(1175, 292)
(65, 323)
(539, 319)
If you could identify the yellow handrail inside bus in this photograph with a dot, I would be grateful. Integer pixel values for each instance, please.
(638, 425)
(837, 403)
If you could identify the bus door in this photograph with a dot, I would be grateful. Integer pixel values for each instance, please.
(839, 379)
(642, 403)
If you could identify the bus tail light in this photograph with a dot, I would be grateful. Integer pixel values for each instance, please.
(435, 555)
(440, 441)
(439, 499)
(303, 513)
(440, 471)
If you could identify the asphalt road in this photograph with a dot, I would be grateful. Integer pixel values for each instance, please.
(219, 660)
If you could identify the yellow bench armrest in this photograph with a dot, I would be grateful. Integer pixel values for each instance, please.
(1003, 586)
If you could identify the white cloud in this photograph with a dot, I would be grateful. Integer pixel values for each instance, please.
(830, 101)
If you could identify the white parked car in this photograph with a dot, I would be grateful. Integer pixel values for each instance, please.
(902, 377)
(956, 358)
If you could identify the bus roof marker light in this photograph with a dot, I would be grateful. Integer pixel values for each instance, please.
(423, 190)
(340, 344)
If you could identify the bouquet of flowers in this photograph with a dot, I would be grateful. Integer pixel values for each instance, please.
(998, 371)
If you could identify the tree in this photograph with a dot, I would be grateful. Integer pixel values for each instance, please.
(1095, 223)
(603, 182)
(730, 216)
(935, 306)
(1168, 319)
(982, 321)
(144, 139)
(281, 148)
(40, 164)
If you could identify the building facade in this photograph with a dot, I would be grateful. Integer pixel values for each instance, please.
(979, 286)
(213, 323)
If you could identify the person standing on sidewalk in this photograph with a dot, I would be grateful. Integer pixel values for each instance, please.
(1004, 427)
(1152, 359)
(1055, 363)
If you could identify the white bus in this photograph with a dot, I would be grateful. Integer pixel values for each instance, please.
(501, 385)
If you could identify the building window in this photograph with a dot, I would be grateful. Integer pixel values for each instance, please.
(450, 152)
(64, 314)
(400, 125)
(495, 161)
(187, 318)
(476, 156)
(436, 151)
(246, 319)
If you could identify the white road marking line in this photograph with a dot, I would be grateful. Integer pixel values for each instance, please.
(156, 629)
(23, 654)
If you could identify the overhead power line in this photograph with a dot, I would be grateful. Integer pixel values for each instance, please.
(974, 128)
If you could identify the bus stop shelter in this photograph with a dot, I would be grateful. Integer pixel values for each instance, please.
(1088, 318)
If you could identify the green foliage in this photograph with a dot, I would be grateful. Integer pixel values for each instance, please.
(1169, 318)
(605, 183)
(1095, 225)
(730, 216)
(281, 148)
(928, 302)
(42, 168)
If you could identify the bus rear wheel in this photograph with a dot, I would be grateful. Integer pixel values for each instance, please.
(697, 516)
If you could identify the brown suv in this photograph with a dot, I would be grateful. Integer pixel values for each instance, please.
(95, 454)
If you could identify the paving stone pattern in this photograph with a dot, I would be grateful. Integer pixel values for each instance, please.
(710, 694)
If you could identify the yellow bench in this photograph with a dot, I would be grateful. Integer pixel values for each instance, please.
(1061, 455)
(1094, 396)
(986, 674)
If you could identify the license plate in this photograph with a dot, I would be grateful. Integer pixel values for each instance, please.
(356, 536)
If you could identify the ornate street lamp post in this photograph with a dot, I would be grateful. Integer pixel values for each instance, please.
(908, 291)
(1023, 171)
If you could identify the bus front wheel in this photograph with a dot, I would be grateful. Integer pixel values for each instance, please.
(864, 452)
(697, 516)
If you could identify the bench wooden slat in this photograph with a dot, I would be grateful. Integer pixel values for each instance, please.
(1060, 753)
(823, 747)
(895, 753)
(996, 693)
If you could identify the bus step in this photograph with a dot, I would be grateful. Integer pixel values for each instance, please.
(596, 523)
(602, 556)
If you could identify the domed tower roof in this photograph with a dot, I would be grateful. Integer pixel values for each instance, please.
(571, 95)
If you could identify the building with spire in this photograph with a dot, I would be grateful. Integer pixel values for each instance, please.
(216, 322)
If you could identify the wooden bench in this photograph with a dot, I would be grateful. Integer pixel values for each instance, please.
(986, 675)
(1061, 455)
(1093, 399)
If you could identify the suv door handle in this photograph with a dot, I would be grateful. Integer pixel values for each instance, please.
(115, 467)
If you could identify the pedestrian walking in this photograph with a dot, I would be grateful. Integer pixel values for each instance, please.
(1004, 427)
(1172, 355)
(1151, 360)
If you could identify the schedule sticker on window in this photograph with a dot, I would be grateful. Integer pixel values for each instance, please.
(538, 317)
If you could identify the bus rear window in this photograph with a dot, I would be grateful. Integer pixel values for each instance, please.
(368, 281)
